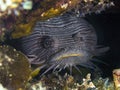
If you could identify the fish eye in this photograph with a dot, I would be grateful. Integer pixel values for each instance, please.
(47, 42)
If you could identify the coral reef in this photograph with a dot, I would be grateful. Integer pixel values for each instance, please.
(16, 74)
(116, 76)
(43, 10)
(91, 6)
(23, 21)
(14, 68)
(20, 18)
(8, 7)
(2, 88)
(67, 82)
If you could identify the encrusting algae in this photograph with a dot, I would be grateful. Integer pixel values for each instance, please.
(51, 8)
(18, 17)
(22, 24)
(43, 10)
(16, 74)
(14, 68)
(68, 82)
(8, 7)
(116, 77)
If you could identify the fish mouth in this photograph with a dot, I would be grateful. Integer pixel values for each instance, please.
(64, 56)
(72, 56)
(67, 59)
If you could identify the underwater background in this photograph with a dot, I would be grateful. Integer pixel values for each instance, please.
(107, 26)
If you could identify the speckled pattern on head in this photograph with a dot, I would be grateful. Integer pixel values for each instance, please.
(60, 42)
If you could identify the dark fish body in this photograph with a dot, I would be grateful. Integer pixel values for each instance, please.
(60, 42)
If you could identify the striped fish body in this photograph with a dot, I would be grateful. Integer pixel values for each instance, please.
(61, 42)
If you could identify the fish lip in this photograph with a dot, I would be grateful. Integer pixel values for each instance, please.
(67, 53)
